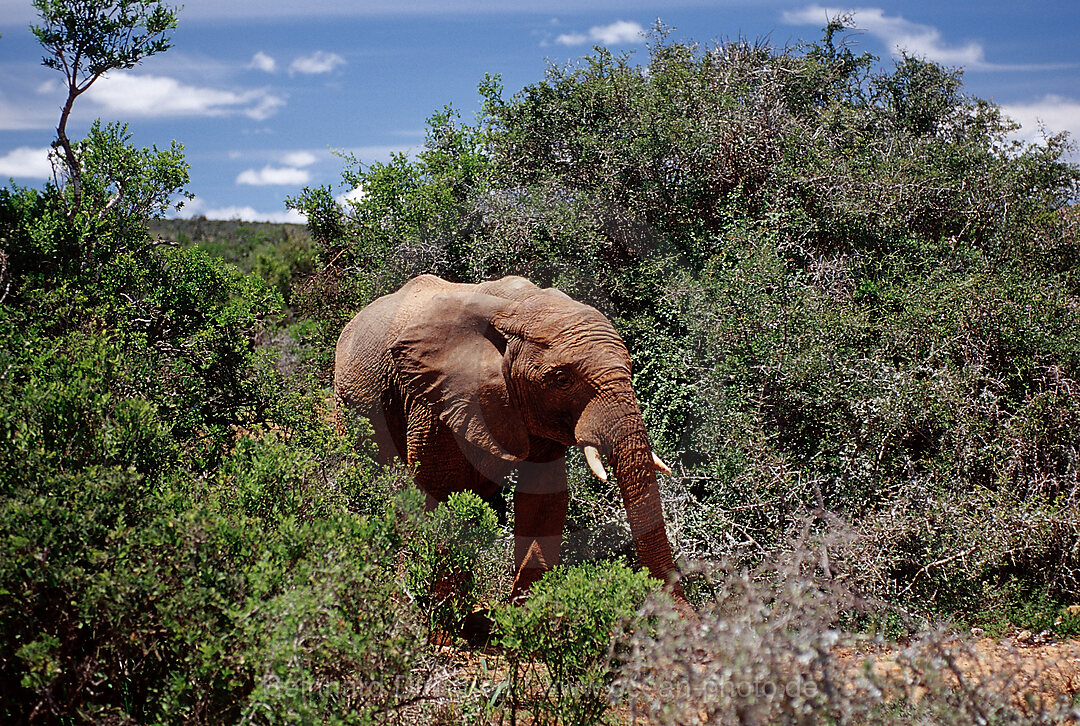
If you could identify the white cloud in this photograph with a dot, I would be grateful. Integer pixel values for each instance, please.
(26, 162)
(266, 107)
(355, 195)
(273, 176)
(572, 39)
(263, 62)
(897, 33)
(299, 158)
(136, 95)
(1055, 113)
(197, 207)
(318, 62)
(620, 32)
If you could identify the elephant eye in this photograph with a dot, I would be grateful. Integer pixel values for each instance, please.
(561, 378)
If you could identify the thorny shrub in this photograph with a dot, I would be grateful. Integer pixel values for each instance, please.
(768, 649)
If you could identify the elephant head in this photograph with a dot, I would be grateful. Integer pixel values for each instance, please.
(518, 373)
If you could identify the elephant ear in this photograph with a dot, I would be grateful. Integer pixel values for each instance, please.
(450, 356)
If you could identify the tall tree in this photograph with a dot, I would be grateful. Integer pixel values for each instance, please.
(85, 39)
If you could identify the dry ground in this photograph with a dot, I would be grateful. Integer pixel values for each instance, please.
(1037, 677)
(1040, 679)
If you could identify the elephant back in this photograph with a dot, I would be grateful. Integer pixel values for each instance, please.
(363, 368)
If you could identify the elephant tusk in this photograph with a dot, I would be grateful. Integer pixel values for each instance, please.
(659, 464)
(592, 456)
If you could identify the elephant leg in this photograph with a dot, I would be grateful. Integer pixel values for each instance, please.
(540, 503)
(436, 466)
(388, 423)
(439, 466)
(385, 444)
(439, 470)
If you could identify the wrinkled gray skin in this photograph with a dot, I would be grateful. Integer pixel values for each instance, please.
(465, 383)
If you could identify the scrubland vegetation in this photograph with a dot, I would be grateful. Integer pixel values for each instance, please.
(854, 310)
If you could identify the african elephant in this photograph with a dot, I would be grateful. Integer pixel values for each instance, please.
(467, 382)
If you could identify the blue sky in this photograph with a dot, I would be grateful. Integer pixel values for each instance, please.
(261, 92)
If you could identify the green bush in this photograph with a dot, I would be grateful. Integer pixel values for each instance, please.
(279, 254)
(123, 596)
(330, 634)
(175, 527)
(558, 643)
(443, 557)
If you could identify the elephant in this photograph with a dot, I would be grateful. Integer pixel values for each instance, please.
(466, 382)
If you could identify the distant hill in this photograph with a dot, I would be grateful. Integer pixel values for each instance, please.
(200, 230)
(277, 252)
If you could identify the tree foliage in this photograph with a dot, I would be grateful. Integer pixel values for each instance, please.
(84, 39)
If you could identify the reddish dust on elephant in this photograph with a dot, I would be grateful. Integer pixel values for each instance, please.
(465, 383)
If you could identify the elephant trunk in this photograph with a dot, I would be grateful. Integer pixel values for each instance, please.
(631, 458)
(616, 428)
